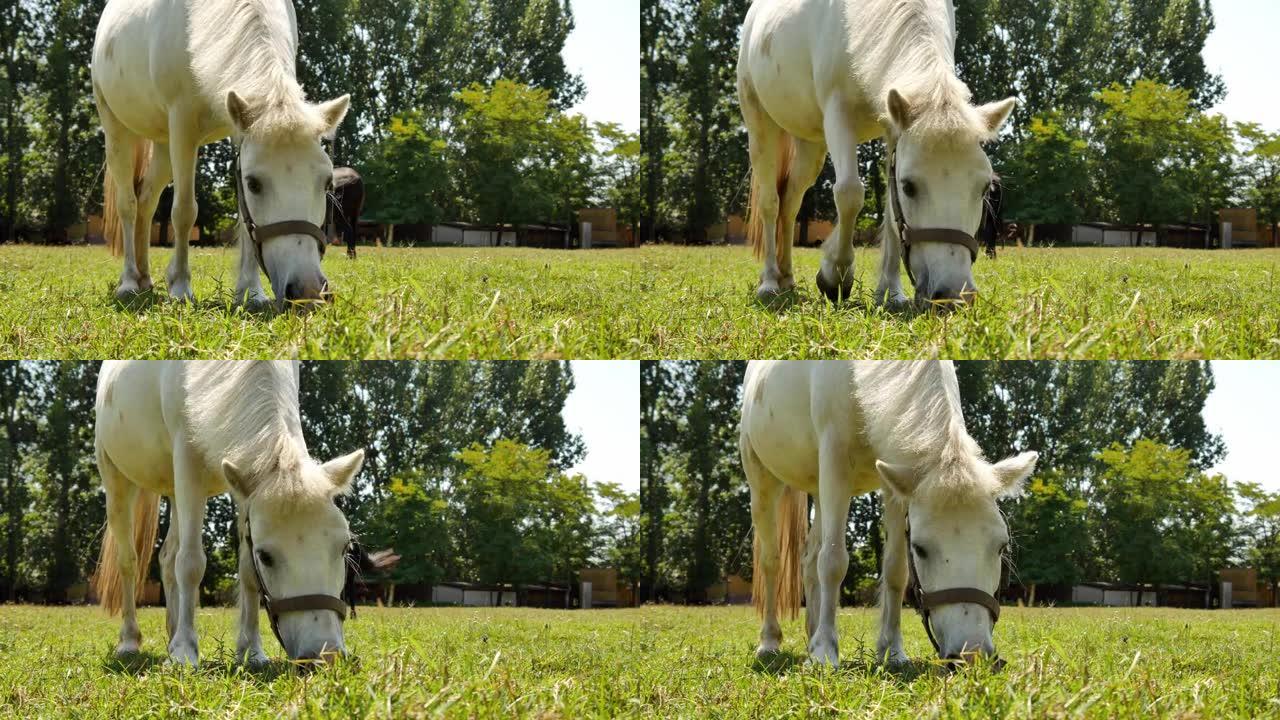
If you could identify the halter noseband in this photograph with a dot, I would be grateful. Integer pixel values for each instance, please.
(259, 235)
(276, 607)
(909, 236)
(925, 602)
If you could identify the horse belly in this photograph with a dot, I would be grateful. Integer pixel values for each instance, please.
(776, 421)
(141, 67)
(778, 66)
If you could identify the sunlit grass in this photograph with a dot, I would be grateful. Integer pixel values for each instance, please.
(653, 302)
(659, 662)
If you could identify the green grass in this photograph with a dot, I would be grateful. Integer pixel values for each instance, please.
(654, 302)
(658, 662)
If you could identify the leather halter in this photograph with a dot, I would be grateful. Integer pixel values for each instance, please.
(260, 234)
(908, 236)
(276, 607)
(925, 602)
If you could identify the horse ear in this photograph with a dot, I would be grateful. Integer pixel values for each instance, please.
(899, 110)
(995, 114)
(232, 474)
(242, 116)
(901, 480)
(333, 112)
(1012, 472)
(343, 470)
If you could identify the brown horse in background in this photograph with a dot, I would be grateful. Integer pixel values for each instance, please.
(345, 204)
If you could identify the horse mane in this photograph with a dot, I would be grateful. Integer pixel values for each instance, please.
(912, 415)
(250, 47)
(908, 45)
(247, 412)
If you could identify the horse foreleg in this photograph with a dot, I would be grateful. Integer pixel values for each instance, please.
(189, 508)
(249, 640)
(835, 276)
(835, 490)
(893, 583)
(766, 493)
(121, 494)
(184, 148)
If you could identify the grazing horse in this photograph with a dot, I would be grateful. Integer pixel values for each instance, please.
(345, 205)
(192, 430)
(172, 75)
(821, 76)
(834, 429)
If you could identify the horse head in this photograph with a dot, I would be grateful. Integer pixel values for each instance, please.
(299, 545)
(283, 177)
(939, 175)
(957, 540)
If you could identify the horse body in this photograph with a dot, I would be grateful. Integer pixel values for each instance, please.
(835, 429)
(822, 76)
(172, 75)
(192, 430)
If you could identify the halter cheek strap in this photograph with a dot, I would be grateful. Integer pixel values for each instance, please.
(261, 234)
(908, 236)
(926, 602)
(276, 607)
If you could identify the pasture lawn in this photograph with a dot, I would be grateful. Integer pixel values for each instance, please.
(652, 302)
(661, 662)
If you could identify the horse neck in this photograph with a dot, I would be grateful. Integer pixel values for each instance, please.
(911, 48)
(246, 46)
(246, 413)
(912, 414)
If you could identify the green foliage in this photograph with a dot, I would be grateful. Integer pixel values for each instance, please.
(1047, 175)
(1160, 520)
(1261, 165)
(1050, 525)
(412, 519)
(409, 170)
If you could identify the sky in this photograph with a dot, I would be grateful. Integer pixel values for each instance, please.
(604, 48)
(604, 408)
(1240, 49)
(1244, 408)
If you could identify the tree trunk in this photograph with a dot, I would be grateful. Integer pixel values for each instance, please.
(1031, 595)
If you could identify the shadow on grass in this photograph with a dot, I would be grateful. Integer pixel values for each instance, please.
(140, 663)
(219, 301)
(783, 662)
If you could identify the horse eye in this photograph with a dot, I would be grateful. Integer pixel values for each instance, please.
(919, 551)
(908, 188)
(265, 558)
(253, 184)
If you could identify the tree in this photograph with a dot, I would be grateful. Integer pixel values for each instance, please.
(1051, 534)
(622, 172)
(1262, 519)
(1262, 168)
(409, 168)
(1046, 176)
(413, 519)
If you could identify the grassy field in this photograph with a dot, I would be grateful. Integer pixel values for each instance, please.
(654, 302)
(652, 662)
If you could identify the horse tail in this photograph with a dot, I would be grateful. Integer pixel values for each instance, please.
(755, 223)
(112, 228)
(793, 526)
(108, 585)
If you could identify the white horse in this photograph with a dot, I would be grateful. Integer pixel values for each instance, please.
(172, 75)
(833, 429)
(819, 76)
(192, 430)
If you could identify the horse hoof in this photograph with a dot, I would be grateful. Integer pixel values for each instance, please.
(836, 294)
(775, 298)
(181, 293)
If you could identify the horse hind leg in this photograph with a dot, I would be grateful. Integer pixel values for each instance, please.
(124, 152)
(182, 157)
(893, 584)
(766, 493)
(152, 183)
(121, 495)
(805, 168)
(169, 576)
(769, 148)
(812, 600)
